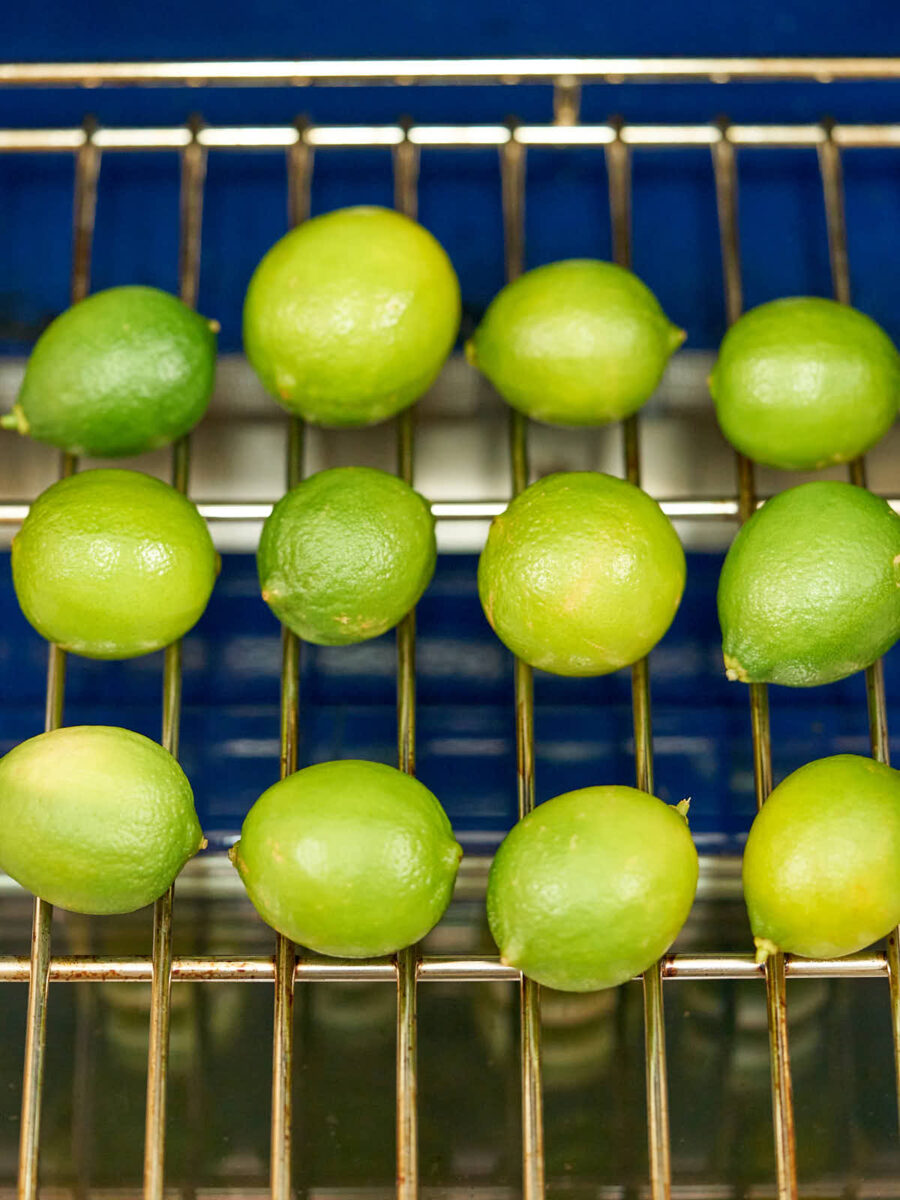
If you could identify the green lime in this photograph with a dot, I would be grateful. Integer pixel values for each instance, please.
(353, 859)
(124, 371)
(349, 317)
(112, 564)
(592, 887)
(582, 574)
(346, 554)
(804, 382)
(579, 342)
(822, 861)
(95, 819)
(809, 589)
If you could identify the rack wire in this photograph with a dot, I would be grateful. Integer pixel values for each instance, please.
(288, 966)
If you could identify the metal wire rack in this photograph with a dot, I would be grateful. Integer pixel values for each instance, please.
(288, 965)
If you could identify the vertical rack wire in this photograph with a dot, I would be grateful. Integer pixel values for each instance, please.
(725, 172)
(299, 177)
(831, 173)
(512, 178)
(84, 207)
(193, 174)
(618, 167)
(406, 175)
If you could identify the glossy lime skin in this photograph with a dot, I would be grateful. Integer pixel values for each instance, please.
(126, 370)
(95, 819)
(113, 564)
(579, 342)
(349, 317)
(803, 383)
(352, 859)
(346, 554)
(592, 887)
(822, 861)
(810, 589)
(582, 574)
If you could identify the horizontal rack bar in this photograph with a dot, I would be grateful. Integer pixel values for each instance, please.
(405, 71)
(459, 137)
(434, 968)
(722, 508)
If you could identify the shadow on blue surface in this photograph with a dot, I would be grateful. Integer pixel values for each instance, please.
(466, 746)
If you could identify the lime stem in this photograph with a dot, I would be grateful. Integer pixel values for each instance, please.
(764, 948)
(15, 419)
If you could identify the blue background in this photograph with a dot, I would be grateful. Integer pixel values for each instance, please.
(232, 660)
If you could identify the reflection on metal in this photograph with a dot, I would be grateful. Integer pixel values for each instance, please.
(432, 969)
(454, 137)
(406, 71)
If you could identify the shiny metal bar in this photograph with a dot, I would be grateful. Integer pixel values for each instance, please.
(512, 180)
(84, 207)
(406, 177)
(458, 137)
(507, 71)
(299, 179)
(193, 173)
(683, 509)
(618, 168)
(725, 170)
(79, 968)
(833, 191)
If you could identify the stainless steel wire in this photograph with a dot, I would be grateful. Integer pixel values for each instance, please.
(406, 176)
(299, 180)
(405, 71)
(512, 181)
(618, 168)
(80, 968)
(84, 207)
(725, 170)
(193, 173)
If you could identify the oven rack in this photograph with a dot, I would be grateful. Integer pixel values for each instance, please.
(406, 142)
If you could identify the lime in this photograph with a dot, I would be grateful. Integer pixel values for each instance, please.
(351, 858)
(112, 564)
(582, 574)
(349, 317)
(592, 887)
(124, 371)
(95, 819)
(346, 554)
(822, 861)
(579, 342)
(804, 382)
(809, 589)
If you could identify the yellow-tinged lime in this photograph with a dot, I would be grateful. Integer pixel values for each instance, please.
(112, 564)
(353, 859)
(592, 887)
(349, 317)
(822, 861)
(95, 819)
(579, 342)
(804, 383)
(582, 574)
